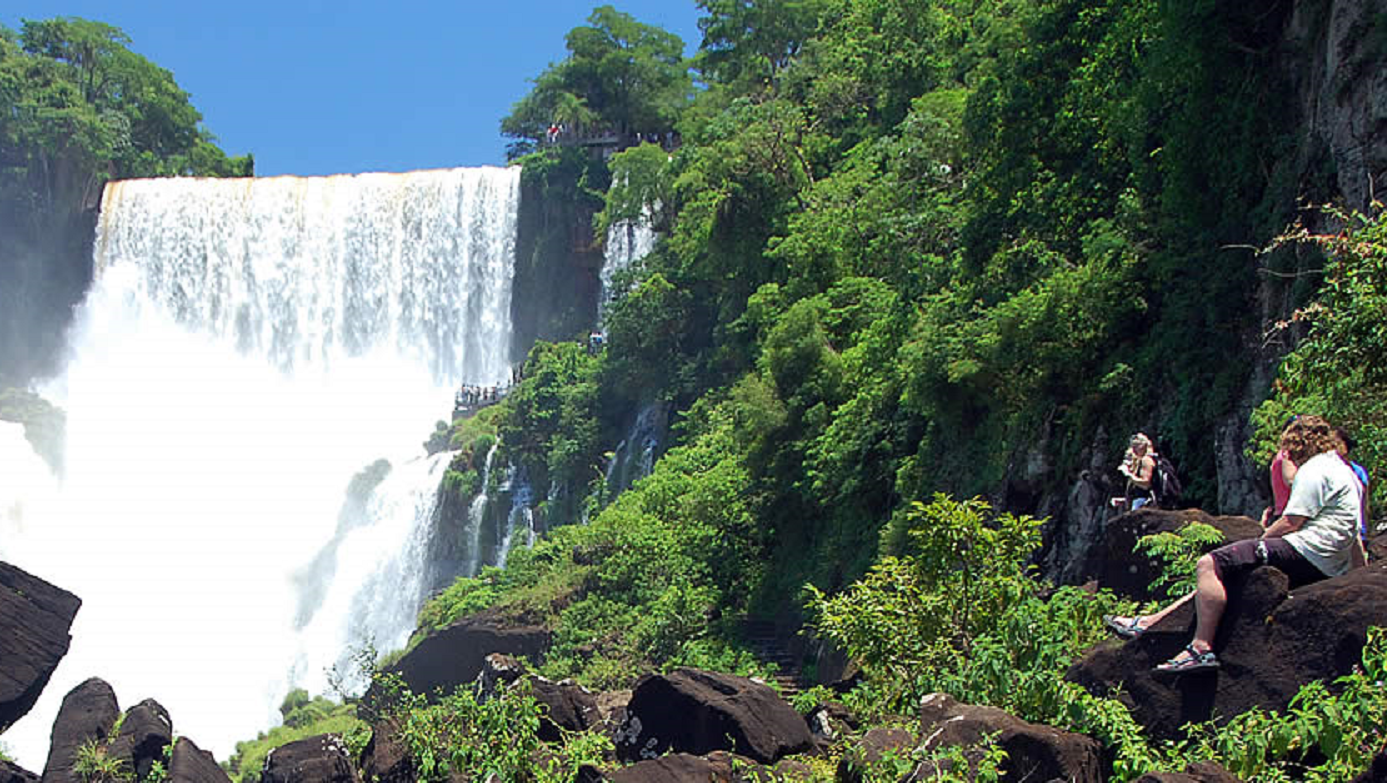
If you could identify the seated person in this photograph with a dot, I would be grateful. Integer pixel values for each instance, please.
(1314, 539)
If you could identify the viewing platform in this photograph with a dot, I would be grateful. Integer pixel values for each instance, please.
(605, 143)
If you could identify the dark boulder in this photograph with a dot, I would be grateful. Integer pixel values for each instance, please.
(567, 707)
(717, 767)
(385, 758)
(144, 733)
(498, 671)
(874, 745)
(319, 759)
(1034, 751)
(698, 712)
(87, 714)
(456, 655)
(1118, 568)
(13, 773)
(1270, 643)
(190, 764)
(35, 618)
(1202, 772)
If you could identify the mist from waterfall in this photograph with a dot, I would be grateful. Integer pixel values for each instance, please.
(247, 348)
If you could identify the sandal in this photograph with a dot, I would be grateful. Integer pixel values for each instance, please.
(1130, 629)
(1190, 660)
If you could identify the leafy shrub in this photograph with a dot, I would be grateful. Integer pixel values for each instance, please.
(925, 611)
(93, 763)
(1339, 371)
(464, 596)
(1178, 552)
(463, 736)
(303, 717)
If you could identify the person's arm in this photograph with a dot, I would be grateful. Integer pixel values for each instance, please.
(1286, 524)
(1288, 470)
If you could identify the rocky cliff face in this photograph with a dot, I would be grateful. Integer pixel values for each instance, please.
(1334, 51)
(45, 268)
(557, 268)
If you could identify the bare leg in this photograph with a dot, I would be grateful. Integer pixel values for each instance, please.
(1151, 619)
(1144, 621)
(1211, 598)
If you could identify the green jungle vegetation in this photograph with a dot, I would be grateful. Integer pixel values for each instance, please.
(906, 247)
(78, 108)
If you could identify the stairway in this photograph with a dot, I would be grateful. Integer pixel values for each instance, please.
(770, 647)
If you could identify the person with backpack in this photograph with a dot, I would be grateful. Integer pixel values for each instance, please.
(1139, 466)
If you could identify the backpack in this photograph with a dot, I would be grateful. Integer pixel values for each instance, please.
(1165, 484)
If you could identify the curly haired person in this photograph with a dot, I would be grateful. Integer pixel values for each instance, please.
(1315, 537)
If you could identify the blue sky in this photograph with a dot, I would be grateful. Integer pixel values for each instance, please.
(339, 86)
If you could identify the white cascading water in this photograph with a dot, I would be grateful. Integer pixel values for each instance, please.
(476, 515)
(521, 516)
(627, 242)
(248, 346)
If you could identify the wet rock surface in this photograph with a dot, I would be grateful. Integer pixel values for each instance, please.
(698, 712)
(35, 618)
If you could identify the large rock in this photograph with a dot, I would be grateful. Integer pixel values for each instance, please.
(144, 733)
(1202, 772)
(1270, 643)
(87, 714)
(456, 655)
(385, 758)
(698, 712)
(874, 745)
(35, 618)
(1034, 751)
(717, 767)
(190, 764)
(1118, 568)
(567, 707)
(1333, 62)
(319, 759)
(13, 773)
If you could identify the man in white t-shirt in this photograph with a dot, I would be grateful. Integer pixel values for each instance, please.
(1315, 537)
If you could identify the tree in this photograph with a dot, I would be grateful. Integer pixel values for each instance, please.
(748, 41)
(620, 75)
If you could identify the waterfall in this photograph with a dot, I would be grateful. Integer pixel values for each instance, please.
(476, 515)
(634, 457)
(521, 516)
(627, 242)
(246, 349)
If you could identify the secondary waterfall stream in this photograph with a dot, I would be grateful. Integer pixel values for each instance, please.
(247, 348)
